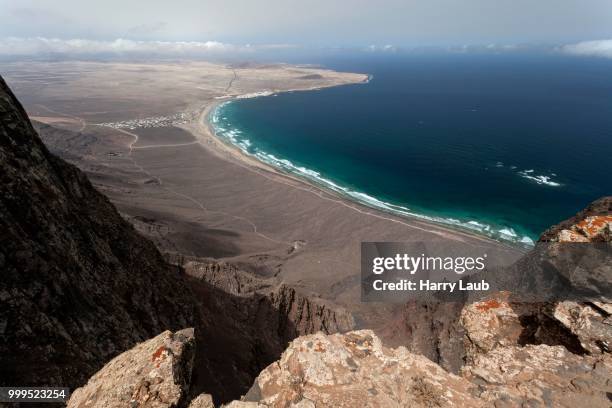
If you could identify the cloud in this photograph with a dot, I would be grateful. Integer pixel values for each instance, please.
(598, 48)
(150, 28)
(381, 48)
(490, 48)
(14, 46)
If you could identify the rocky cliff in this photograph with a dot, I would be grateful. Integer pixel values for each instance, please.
(154, 373)
(78, 284)
(249, 323)
(436, 329)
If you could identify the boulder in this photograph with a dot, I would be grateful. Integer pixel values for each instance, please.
(155, 373)
(356, 370)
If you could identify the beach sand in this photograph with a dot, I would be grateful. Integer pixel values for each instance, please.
(193, 194)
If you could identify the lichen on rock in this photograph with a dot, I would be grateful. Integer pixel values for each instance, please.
(155, 373)
(356, 370)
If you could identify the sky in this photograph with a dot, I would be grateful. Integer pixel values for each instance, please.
(215, 25)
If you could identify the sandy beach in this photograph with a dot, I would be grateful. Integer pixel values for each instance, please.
(197, 196)
(204, 132)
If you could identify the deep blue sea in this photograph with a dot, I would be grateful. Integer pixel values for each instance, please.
(503, 145)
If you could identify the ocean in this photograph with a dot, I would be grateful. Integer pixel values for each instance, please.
(503, 145)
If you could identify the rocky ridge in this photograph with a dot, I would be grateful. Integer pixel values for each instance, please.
(593, 224)
(155, 373)
(249, 323)
(80, 285)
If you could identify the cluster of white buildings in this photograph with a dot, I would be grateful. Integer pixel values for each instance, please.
(154, 121)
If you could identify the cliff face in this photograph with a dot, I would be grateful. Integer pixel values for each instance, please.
(78, 284)
(581, 327)
(248, 323)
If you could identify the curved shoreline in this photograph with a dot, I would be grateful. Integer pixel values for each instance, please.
(207, 136)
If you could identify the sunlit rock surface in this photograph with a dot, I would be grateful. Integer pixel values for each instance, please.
(155, 373)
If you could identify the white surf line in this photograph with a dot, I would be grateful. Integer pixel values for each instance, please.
(321, 193)
(318, 191)
(447, 233)
(325, 196)
(187, 197)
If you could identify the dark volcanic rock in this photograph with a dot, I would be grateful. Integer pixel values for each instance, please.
(78, 284)
(431, 329)
(250, 323)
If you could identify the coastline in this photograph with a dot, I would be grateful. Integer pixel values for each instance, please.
(206, 135)
(216, 204)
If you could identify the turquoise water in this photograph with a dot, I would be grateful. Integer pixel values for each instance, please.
(504, 146)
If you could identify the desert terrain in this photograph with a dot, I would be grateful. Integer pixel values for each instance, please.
(139, 131)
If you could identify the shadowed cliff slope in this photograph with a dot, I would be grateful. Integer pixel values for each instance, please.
(78, 284)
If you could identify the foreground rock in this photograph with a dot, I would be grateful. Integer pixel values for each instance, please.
(202, 401)
(156, 373)
(250, 323)
(551, 353)
(593, 224)
(341, 370)
(355, 370)
(516, 359)
(540, 376)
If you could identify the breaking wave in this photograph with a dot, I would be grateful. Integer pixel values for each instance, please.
(234, 137)
(540, 179)
(530, 175)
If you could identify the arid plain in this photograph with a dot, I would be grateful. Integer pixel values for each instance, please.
(139, 131)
